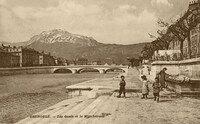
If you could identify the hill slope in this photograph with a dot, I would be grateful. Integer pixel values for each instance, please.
(118, 53)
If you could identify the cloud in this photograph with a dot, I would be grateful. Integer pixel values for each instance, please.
(127, 7)
(2, 2)
(161, 2)
(108, 22)
(64, 10)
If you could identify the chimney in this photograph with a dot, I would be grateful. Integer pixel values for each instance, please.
(193, 4)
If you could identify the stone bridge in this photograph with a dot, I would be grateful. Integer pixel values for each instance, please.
(52, 69)
(78, 68)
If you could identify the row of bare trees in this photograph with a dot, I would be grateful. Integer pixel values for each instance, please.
(179, 30)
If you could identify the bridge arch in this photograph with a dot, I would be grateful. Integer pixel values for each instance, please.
(78, 69)
(87, 69)
(62, 70)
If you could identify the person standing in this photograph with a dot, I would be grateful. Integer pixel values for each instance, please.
(156, 89)
(122, 85)
(145, 88)
(162, 76)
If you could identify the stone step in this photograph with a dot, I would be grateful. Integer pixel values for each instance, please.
(95, 111)
(55, 114)
(90, 110)
(52, 109)
(108, 107)
(73, 111)
(87, 108)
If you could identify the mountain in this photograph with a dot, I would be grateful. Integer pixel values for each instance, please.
(57, 35)
(72, 46)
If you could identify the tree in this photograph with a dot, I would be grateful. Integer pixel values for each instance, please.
(148, 51)
(74, 61)
(174, 29)
(162, 41)
(178, 30)
(182, 27)
(145, 52)
(134, 61)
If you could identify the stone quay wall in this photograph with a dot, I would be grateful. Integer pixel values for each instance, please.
(189, 68)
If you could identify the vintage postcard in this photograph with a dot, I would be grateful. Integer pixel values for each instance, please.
(99, 61)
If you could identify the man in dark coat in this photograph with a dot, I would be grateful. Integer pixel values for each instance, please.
(162, 77)
(122, 85)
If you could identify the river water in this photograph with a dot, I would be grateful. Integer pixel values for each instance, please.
(36, 82)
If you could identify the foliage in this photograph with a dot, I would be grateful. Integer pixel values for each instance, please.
(179, 30)
(134, 62)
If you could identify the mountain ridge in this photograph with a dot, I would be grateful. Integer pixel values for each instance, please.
(58, 35)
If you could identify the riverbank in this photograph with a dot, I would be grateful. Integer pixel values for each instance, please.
(24, 95)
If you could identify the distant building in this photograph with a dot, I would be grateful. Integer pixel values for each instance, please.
(46, 60)
(61, 61)
(28, 57)
(8, 60)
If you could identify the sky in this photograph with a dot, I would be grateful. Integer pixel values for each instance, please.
(107, 21)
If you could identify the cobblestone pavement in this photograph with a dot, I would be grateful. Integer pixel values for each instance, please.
(108, 109)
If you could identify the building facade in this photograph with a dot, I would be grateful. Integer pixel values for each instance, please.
(195, 41)
(191, 50)
(8, 59)
(28, 57)
(46, 60)
(195, 44)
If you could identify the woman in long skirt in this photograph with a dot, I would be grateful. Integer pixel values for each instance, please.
(145, 88)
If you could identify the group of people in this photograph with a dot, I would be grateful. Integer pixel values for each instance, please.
(156, 88)
(157, 85)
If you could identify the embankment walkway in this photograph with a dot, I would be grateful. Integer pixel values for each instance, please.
(101, 106)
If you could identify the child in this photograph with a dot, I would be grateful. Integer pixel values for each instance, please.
(145, 88)
(122, 85)
(156, 89)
